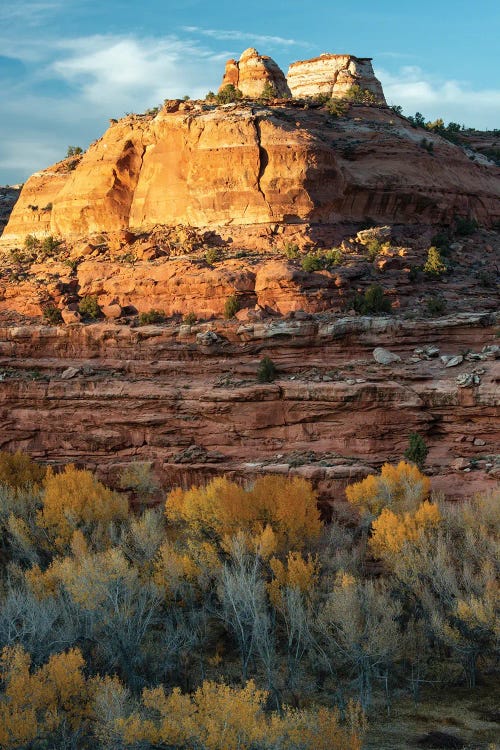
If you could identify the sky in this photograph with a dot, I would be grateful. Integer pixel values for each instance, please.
(67, 66)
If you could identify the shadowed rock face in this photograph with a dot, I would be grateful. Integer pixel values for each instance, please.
(252, 165)
(333, 75)
(252, 72)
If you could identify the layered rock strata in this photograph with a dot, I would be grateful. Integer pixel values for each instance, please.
(187, 398)
(199, 165)
(333, 75)
(252, 73)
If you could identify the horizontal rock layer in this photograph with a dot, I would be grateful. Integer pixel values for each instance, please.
(333, 75)
(190, 402)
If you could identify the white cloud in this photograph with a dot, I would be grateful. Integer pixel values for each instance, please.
(222, 34)
(416, 90)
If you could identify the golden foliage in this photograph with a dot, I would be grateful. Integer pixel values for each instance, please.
(219, 717)
(18, 470)
(222, 508)
(401, 487)
(34, 704)
(75, 498)
(390, 530)
(296, 573)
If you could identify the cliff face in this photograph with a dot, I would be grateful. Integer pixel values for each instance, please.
(186, 397)
(333, 75)
(248, 165)
(252, 72)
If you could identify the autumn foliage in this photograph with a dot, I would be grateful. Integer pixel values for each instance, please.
(401, 487)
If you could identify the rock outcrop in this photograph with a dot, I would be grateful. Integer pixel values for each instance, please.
(199, 165)
(333, 75)
(8, 197)
(253, 72)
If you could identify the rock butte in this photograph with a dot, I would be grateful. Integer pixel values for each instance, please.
(333, 75)
(252, 72)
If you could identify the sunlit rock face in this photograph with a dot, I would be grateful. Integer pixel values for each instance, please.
(333, 75)
(252, 72)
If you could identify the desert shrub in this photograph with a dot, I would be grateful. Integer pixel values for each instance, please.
(52, 314)
(228, 94)
(190, 319)
(212, 256)
(151, 317)
(390, 531)
(269, 91)
(211, 97)
(373, 248)
(266, 371)
(434, 265)
(417, 450)
(357, 95)
(74, 151)
(464, 226)
(231, 306)
(373, 301)
(311, 262)
(427, 145)
(291, 250)
(49, 244)
(337, 107)
(18, 470)
(333, 257)
(89, 308)
(436, 305)
(31, 243)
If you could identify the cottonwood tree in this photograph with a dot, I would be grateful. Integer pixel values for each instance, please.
(359, 628)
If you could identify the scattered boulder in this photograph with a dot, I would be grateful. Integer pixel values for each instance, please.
(382, 234)
(452, 361)
(70, 372)
(70, 316)
(384, 356)
(208, 338)
(111, 311)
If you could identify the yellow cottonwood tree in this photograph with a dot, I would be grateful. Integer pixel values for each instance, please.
(391, 530)
(401, 487)
(18, 470)
(36, 704)
(76, 499)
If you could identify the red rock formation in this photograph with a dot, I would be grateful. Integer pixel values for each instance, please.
(252, 72)
(333, 414)
(333, 75)
(210, 167)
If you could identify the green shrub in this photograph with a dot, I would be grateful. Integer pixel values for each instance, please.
(434, 264)
(190, 319)
(311, 262)
(417, 450)
(49, 244)
(229, 94)
(337, 107)
(151, 317)
(52, 314)
(436, 305)
(291, 250)
(31, 242)
(89, 307)
(269, 91)
(74, 151)
(465, 226)
(372, 301)
(266, 371)
(231, 307)
(333, 257)
(212, 256)
(373, 248)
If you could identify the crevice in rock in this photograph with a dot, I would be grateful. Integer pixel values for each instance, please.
(263, 162)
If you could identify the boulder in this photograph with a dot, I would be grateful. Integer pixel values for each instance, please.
(111, 311)
(384, 356)
(70, 316)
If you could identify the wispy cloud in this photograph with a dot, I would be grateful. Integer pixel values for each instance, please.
(231, 35)
(30, 13)
(416, 90)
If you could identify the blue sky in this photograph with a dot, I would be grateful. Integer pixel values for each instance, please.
(67, 66)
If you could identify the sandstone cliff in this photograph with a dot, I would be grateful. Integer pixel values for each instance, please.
(252, 72)
(333, 75)
(254, 165)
